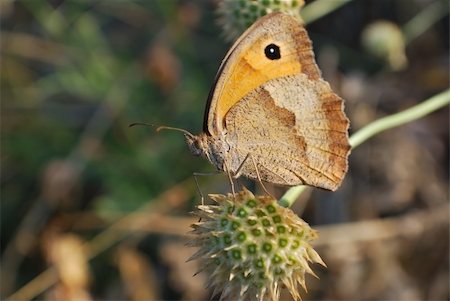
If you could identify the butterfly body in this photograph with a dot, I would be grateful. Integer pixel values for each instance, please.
(270, 112)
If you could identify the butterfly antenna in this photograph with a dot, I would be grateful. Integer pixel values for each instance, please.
(175, 129)
(141, 123)
(162, 128)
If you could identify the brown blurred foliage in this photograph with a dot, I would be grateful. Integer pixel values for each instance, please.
(93, 210)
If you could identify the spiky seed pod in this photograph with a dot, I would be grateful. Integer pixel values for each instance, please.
(250, 247)
(235, 16)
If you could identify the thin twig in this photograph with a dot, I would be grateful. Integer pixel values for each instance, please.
(408, 225)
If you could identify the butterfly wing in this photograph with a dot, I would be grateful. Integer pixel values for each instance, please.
(295, 130)
(247, 66)
(270, 102)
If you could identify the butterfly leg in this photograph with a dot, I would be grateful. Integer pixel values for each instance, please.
(238, 171)
(259, 176)
(197, 174)
(230, 178)
(249, 155)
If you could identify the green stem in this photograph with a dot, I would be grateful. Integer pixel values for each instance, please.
(408, 115)
(380, 125)
(288, 199)
(320, 8)
(424, 20)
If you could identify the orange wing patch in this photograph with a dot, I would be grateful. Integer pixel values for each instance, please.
(247, 67)
(251, 71)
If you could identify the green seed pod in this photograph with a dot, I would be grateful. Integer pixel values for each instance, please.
(250, 247)
(237, 15)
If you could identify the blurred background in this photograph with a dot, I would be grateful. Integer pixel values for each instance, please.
(94, 210)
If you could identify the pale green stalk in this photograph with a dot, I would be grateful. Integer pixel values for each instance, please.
(424, 108)
(318, 9)
(424, 20)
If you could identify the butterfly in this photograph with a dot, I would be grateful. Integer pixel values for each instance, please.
(270, 115)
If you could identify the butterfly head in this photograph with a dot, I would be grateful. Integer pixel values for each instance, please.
(198, 145)
(209, 147)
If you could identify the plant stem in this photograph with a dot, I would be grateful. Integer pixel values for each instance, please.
(424, 20)
(420, 110)
(318, 9)
(408, 115)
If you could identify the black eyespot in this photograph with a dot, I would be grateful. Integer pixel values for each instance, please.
(272, 52)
